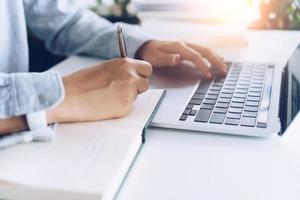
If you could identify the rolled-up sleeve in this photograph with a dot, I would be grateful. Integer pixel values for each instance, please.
(22, 93)
(71, 31)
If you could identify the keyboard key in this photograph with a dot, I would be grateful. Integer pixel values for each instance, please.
(225, 91)
(193, 112)
(229, 87)
(222, 105)
(252, 103)
(261, 125)
(255, 99)
(236, 110)
(209, 101)
(243, 96)
(183, 117)
(234, 116)
(203, 87)
(230, 121)
(186, 111)
(217, 118)
(238, 100)
(233, 76)
(255, 89)
(198, 96)
(203, 115)
(207, 107)
(245, 80)
(219, 80)
(235, 72)
(232, 79)
(251, 109)
(230, 84)
(250, 114)
(223, 100)
(213, 92)
(213, 97)
(220, 110)
(258, 76)
(245, 83)
(254, 94)
(196, 102)
(245, 77)
(189, 106)
(248, 121)
(217, 84)
(242, 87)
(237, 105)
(228, 96)
(259, 73)
(256, 85)
(241, 91)
(216, 88)
(257, 81)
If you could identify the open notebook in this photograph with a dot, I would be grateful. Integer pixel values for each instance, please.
(85, 161)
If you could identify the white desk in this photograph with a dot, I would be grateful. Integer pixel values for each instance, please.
(184, 165)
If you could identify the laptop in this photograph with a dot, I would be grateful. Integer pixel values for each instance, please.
(254, 99)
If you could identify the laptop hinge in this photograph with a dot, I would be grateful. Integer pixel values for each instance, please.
(282, 108)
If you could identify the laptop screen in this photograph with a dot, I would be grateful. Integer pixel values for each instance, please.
(290, 102)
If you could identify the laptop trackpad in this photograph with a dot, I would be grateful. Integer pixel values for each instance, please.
(180, 82)
(183, 75)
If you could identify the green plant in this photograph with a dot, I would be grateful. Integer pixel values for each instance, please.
(280, 14)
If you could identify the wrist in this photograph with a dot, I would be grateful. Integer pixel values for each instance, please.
(141, 51)
(13, 125)
(51, 116)
(56, 114)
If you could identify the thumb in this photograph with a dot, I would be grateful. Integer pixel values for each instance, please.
(164, 60)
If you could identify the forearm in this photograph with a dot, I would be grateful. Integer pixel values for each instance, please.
(13, 125)
(69, 32)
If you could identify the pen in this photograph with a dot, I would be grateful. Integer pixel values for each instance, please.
(122, 44)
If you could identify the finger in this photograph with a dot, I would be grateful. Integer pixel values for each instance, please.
(143, 85)
(215, 60)
(190, 54)
(143, 68)
(164, 59)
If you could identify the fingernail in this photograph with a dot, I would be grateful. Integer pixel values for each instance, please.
(209, 75)
(176, 59)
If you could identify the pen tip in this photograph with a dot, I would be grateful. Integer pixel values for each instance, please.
(119, 28)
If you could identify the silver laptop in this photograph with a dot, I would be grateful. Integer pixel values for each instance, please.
(254, 99)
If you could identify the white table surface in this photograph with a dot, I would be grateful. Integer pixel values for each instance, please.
(187, 165)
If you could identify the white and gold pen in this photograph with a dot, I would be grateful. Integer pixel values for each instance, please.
(122, 43)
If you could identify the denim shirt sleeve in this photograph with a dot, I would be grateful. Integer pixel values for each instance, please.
(22, 93)
(72, 31)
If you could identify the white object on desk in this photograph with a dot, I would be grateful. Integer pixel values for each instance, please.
(36, 120)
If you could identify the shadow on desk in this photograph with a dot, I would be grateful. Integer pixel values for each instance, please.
(175, 77)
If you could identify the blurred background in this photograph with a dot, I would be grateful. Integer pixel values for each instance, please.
(233, 14)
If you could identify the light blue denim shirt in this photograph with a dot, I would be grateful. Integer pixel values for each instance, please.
(65, 31)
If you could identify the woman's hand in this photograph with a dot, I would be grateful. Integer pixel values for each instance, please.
(101, 92)
(164, 53)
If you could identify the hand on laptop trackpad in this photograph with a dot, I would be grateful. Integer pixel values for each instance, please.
(182, 75)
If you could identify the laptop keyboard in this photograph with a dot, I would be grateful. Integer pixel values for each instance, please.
(235, 100)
